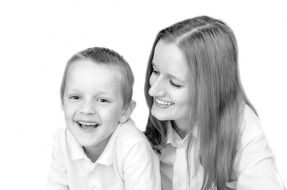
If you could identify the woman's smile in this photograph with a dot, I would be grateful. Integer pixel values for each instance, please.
(163, 103)
(170, 84)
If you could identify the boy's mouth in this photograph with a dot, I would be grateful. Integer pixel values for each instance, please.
(87, 124)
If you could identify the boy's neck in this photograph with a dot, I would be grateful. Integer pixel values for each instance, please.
(94, 152)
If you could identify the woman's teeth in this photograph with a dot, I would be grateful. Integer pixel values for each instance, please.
(163, 103)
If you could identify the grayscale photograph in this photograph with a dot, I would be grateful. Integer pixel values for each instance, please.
(143, 95)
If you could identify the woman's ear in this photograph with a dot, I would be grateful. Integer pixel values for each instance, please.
(127, 111)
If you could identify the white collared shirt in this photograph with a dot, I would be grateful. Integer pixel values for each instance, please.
(127, 163)
(254, 167)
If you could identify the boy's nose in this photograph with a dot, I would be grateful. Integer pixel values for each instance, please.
(157, 88)
(88, 108)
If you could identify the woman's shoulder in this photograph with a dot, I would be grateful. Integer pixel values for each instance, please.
(253, 145)
(250, 125)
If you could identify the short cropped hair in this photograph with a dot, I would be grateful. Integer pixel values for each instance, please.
(108, 57)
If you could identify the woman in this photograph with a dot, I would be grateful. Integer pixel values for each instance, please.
(201, 123)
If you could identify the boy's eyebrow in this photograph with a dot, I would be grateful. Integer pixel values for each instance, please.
(76, 91)
(73, 90)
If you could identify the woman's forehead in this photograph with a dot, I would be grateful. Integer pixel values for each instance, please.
(169, 59)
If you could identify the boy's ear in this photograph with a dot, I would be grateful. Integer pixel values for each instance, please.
(62, 105)
(127, 112)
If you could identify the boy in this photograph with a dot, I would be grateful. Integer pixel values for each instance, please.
(101, 147)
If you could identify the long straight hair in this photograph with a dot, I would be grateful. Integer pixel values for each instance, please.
(210, 48)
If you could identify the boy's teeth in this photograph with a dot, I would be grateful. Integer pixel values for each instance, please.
(87, 123)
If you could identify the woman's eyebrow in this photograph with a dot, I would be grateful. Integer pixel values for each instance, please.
(176, 78)
(170, 75)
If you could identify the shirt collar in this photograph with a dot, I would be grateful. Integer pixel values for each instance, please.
(107, 155)
(175, 140)
(77, 151)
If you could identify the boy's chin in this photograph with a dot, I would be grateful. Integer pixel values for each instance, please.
(82, 138)
(87, 143)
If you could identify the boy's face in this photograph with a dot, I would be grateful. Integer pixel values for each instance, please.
(93, 102)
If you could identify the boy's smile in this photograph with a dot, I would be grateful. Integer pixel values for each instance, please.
(87, 126)
(93, 102)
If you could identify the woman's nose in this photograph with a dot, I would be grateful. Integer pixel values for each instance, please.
(157, 88)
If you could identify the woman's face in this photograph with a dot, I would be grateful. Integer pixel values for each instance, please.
(170, 84)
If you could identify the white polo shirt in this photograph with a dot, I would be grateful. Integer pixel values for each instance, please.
(127, 163)
(254, 167)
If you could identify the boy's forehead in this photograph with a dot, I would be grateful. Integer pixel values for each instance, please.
(85, 72)
(90, 66)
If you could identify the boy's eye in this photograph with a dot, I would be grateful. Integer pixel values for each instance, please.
(74, 97)
(103, 100)
(175, 84)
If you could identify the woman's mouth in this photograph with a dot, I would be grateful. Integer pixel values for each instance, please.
(163, 103)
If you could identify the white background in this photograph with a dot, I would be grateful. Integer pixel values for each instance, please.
(37, 38)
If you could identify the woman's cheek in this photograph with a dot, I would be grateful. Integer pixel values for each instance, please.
(152, 79)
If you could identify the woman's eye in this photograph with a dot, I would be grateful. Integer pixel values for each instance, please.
(155, 71)
(175, 84)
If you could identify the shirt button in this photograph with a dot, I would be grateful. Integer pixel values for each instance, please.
(90, 167)
(179, 183)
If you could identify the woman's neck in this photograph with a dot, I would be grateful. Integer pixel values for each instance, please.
(181, 130)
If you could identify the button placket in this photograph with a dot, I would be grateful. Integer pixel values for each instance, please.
(180, 172)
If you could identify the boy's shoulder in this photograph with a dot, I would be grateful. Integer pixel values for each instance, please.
(62, 134)
(63, 139)
(59, 136)
(128, 131)
(129, 141)
(127, 135)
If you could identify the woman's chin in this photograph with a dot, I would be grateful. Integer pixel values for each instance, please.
(159, 115)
